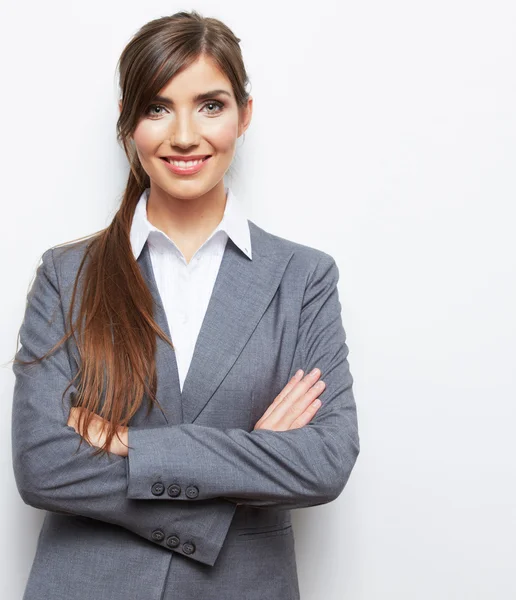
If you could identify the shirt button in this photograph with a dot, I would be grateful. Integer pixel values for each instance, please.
(192, 491)
(157, 488)
(188, 547)
(158, 535)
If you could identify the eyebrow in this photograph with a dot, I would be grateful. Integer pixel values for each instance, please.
(198, 98)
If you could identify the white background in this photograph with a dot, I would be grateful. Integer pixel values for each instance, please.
(384, 134)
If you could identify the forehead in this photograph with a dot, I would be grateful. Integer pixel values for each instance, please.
(201, 75)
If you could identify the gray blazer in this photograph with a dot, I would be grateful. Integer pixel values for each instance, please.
(163, 523)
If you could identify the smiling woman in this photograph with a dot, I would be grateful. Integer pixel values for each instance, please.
(190, 498)
(186, 122)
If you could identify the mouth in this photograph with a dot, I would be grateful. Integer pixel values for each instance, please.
(185, 167)
(186, 162)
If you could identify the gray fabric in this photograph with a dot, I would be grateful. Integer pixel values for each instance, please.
(110, 531)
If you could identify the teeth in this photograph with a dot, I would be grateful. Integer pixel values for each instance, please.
(183, 164)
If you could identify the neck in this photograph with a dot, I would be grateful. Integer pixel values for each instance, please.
(187, 221)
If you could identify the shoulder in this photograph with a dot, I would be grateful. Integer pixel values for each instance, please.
(66, 257)
(74, 250)
(306, 259)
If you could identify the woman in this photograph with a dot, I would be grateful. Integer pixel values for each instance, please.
(192, 497)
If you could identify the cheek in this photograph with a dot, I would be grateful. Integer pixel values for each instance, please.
(147, 135)
(223, 135)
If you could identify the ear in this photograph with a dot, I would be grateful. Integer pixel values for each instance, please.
(245, 116)
(120, 105)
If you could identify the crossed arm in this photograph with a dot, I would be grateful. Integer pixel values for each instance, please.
(286, 469)
(294, 407)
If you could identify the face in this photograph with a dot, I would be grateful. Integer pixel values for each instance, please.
(179, 124)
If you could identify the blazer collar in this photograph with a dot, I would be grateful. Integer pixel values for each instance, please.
(242, 291)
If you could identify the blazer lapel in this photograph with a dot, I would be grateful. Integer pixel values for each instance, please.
(168, 391)
(242, 291)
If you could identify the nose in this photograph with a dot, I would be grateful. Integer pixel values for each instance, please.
(184, 132)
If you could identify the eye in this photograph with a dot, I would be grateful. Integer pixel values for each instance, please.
(152, 108)
(153, 114)
(217, 103)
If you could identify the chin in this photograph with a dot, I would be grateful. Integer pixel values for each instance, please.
(187, 189)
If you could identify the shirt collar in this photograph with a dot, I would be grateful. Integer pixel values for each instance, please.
(234, 223)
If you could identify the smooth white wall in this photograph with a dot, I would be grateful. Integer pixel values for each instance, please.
(384, 134)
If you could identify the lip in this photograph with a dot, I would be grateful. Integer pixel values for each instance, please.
(187, 158)
(189, 170)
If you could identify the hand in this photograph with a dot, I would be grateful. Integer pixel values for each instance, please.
(296, 404)
(97, 432)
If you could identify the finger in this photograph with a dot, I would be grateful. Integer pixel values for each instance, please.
(281, 414)
(298, 375)
(297, 401)
(72, 417)
(307, 416)
(76, 419)
(286, 390)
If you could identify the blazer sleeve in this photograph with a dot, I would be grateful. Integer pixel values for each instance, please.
(50, 474)
(284, 469)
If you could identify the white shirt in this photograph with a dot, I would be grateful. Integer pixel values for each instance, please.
(185, 288)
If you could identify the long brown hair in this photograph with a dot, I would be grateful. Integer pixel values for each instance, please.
(116, 330)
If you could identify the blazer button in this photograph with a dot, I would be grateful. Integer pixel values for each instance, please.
(157, 488)
(174, 490)
(188, 547)
(158, 535)
(172, 541)
(192, 491)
